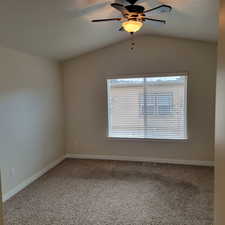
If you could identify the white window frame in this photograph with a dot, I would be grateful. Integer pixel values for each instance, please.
(185, 74)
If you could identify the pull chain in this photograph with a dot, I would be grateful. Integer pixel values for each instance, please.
(132, 41)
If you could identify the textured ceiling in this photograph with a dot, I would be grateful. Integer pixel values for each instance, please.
(62, 29)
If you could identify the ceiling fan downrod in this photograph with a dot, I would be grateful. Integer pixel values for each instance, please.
(132, 2)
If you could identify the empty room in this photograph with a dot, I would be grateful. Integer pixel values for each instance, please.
(112, 112)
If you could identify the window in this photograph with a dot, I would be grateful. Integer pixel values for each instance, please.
(148, 107)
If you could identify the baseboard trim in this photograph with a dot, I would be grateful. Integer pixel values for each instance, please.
(37, 175)
(31, 179)
(141, 159)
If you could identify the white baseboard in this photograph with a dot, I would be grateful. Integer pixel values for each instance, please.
(141, 159)
(31, 179)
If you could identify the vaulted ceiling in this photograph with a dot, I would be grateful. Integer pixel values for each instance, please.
(62, 29)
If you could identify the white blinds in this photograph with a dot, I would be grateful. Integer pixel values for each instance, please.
(149, 107)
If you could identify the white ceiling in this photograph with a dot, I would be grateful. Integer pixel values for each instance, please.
(62, 29)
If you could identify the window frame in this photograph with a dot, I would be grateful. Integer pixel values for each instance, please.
(185, 74)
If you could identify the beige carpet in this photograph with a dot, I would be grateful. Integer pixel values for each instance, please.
(92, 192)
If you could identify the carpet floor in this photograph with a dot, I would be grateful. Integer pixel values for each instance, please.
(95, 192)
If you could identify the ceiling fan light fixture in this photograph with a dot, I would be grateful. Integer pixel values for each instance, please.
(132, 26)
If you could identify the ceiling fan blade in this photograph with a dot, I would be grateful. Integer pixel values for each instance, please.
(160, 9)
(105, 20)
(119, 7)
(155, 21)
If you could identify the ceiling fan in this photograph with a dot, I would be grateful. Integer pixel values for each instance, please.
(133, 16)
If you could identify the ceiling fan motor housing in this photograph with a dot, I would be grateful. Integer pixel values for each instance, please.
(135, 8)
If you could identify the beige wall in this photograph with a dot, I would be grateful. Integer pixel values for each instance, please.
(30, 115)
(86, 101)
(220, 125)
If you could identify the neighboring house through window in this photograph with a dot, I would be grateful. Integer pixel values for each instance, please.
(156, 104)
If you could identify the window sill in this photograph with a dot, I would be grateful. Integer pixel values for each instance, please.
(147, 139)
